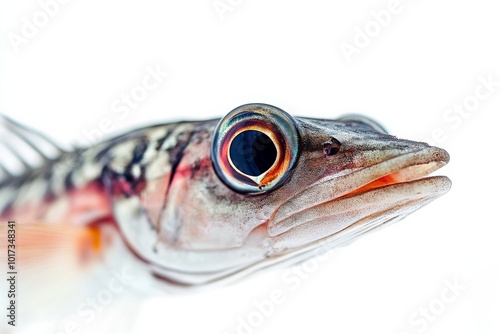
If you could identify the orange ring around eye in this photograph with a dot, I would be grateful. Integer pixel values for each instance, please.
(279, 128)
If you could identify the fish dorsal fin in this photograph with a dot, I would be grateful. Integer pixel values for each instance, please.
(23, 149)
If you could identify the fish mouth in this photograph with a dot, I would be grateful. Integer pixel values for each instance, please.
(387, 190)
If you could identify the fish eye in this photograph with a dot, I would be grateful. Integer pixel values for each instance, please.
(254, 148)
(252, 152)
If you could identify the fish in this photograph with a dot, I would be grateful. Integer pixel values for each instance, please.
(210, 202)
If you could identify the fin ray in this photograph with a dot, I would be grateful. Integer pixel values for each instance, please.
(35, 146)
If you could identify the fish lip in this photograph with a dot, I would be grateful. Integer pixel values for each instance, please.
(429, 159)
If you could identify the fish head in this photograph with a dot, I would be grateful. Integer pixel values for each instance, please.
(261, 188)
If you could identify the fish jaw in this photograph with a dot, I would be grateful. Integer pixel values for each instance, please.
(402, 178)
(400, 169)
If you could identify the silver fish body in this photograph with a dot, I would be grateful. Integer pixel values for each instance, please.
(209, 202)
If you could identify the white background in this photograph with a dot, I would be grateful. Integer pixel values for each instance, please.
(65, 78)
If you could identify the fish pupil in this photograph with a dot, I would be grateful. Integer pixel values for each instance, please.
(253, 152)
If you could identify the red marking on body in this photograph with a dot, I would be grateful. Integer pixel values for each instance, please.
(79, 206)
(89, 202)
(187, 169)
(122, 186)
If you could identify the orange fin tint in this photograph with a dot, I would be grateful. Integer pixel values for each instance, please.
(40, 242)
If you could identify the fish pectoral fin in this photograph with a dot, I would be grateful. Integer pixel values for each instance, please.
(39, 244)
(56, 265)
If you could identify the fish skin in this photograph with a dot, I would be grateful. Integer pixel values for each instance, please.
(114, 160)
(175, 214)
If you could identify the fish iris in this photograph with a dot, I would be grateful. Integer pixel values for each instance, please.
(253, 152)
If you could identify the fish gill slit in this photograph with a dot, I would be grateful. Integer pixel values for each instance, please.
(175, 164)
